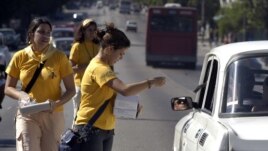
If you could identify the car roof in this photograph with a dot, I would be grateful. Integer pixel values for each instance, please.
(63, 28)
(229, 50)
(63, 39)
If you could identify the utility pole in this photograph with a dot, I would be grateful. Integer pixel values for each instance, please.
(203, 12)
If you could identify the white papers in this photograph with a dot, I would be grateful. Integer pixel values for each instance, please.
(126, 107)
(35, 108)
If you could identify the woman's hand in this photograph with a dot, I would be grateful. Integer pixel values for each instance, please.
(157, 81)
(24, 99)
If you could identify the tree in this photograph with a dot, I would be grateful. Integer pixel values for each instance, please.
(210, 8)
(248, 19)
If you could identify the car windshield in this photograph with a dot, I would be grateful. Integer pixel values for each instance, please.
(132, 23)
(246, 86)
(64, 45)
(62, 33)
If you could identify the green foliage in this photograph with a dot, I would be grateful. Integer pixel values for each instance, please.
(243, 16)
(210, 8)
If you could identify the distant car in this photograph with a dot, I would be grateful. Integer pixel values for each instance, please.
(62, 32)
(64, 44)
(5, 54)
(131, 25)
(230, 110)
(11, 38)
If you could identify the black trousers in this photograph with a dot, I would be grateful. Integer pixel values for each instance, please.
(98, 139)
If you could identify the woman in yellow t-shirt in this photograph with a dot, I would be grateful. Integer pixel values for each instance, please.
(100, 83)
(41, 130)
(85, 47)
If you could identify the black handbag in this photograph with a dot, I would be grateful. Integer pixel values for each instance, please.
(71, 140)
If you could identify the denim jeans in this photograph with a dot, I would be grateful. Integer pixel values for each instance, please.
(98, 139)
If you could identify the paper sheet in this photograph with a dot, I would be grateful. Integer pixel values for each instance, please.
(126, 107)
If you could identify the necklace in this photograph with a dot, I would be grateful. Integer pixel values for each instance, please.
(90, 57)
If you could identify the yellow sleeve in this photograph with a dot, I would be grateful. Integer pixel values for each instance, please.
(103, 75)
(74, 53)
(13, 68)
(65, 66)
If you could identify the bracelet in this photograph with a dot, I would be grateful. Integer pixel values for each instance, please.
(149, 84)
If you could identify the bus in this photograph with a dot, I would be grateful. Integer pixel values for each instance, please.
(125, 6)
(171, 37)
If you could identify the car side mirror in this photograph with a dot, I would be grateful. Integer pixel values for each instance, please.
(181, 103)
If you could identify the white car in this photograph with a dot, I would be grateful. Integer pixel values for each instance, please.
(60, 32)
(64, 44)
(131, 25)
(230, 109)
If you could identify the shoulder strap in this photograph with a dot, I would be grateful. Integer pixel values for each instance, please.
(97, 114)
(34, 78)
(90, 123)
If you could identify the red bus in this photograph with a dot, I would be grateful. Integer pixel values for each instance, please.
(171, 37)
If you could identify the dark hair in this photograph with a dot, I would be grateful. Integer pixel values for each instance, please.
(36, 22)
(111, 36)
(80, 32)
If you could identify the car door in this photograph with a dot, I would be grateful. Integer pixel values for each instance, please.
(195, 129)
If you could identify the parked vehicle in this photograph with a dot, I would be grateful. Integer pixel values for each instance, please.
(62, 32)
(11, 38)
(230, 110)
(64, 44)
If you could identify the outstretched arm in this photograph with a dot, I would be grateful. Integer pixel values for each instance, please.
(135, 88)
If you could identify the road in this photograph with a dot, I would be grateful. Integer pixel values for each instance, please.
(154, 129)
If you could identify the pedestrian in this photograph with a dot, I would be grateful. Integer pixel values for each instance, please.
(211, 37)
(40, 131)
(100, 83)
(85, 47)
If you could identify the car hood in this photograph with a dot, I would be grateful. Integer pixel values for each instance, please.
(249, 128)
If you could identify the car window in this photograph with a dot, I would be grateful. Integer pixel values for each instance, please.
(244, 85)
(171, 24)
(202, 91)
(64, 45)
(209, 99)
(206, 95)
(62, 33)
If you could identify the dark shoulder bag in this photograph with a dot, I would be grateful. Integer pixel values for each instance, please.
(71, 140)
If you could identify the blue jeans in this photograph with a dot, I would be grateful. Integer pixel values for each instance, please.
(100, 140)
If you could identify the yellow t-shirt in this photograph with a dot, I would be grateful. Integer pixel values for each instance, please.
(82, 53)
(95, 93)
(47, 85)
